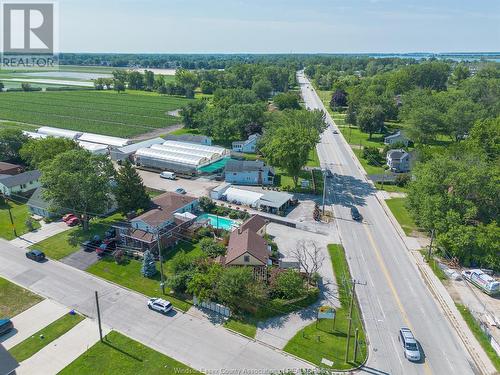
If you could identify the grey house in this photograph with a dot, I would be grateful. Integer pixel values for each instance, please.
(397, 137)
(19, 183)
(190, 138)
(398, 160)
(38, 205)
(246, 172)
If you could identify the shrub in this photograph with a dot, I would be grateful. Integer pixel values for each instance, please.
(148, 265)
(402, 179)
(288, 284)
(207, 204)
(372, 155)
(234, 215)
(179, 282)
(204, 232)
(212, 248)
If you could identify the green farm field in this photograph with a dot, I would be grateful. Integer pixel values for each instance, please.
(103, 112)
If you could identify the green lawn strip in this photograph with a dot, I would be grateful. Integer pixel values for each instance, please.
(128, 274)
(183, 131)
(69, 241)
(399, 210)
(15, 299)
(17, 125)
(119, 354)
(434, 265)
(318, 341)
(313, 159)
(54, 330)
(390, 187)
(369, 169)
(247, 327)
(479, 334)
(20, 214)
(285, 181)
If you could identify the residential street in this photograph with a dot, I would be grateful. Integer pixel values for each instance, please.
(395, 295)
(190, 340)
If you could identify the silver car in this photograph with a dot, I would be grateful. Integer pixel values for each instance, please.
(160, 305)
(410, 345)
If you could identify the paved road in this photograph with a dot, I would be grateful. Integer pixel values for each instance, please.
(395, 295)
(195, 342)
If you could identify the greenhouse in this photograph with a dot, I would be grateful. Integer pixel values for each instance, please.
(104, 139)
(34, 135)
(164, 160)
(221, 151)
(209, 155)
(59, 133)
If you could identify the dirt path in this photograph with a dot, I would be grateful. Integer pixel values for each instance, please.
(156, 133)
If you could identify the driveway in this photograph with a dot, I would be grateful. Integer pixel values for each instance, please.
(279, 330)
(45, 231)
(81, 259)
(193, 341)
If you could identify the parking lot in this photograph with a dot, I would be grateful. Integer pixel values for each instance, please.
(195, 187)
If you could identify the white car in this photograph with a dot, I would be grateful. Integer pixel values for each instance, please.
(410, 345)
(160, 305)
(167, 175)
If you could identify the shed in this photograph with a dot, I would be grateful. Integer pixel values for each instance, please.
(218, 191)
(275, 201)
(240, 196)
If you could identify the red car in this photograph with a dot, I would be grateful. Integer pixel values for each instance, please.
(71, 222)
(68, 217)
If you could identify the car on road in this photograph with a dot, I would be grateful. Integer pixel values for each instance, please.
(335, 131)
(355, 214)
(35, 255)
(71, 222)
(410, 345)
(160, 305)
(167, 175)
(6, 326)
(180, 191)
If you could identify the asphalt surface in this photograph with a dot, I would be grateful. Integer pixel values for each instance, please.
(196, 342)
(395, 295)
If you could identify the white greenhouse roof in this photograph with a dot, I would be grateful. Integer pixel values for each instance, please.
(180, 150)
(104, 139)
(242, 196)
(56, 132)
(93, 147)
(130, 149)
(34, 135)
(173, 157)
(194, 146)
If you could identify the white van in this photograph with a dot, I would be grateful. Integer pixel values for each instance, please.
(167, 175)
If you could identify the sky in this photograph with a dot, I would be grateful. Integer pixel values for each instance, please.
(279, 26)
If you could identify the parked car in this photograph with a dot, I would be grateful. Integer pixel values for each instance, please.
(160, 305)
(35, 255)
(106, 248)
(68, 217)
(91, 245)
(5, 326)
(410, 345)
(180, 191)
(71, 222)
(355, 214)
(167, 175)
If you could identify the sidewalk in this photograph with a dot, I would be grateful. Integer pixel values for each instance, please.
(33, 320)
(61, 352)
(45, 231)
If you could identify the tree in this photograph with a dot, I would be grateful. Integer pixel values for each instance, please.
(425, 124)
(11, 142)
(118, 86)
(78, 181)
(339, 99)
(233, 285)
(370, 119)
(372, 155)
(460, 117)
(207, 87)
(288, 284)
(2, 86)
(460, 73)
(37, 151)
(206, 204)
(286, 100)
(148, 268)
(309, 257)
(130, 192)
(149, 80)
(25, 86)
(262, 89)
(189, 111)
(212, 248)
(204, 281)
(135, 81)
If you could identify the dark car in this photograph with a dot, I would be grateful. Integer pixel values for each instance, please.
(355, 214)
(5, 326)
(36, 255)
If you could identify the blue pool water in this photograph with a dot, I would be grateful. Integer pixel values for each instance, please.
(218, 222)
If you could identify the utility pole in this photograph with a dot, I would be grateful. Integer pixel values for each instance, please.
(429, 255)
(324, 190)
(162, 280)
(351, 305)
(4, 197)
(356, 344)
(98, 315)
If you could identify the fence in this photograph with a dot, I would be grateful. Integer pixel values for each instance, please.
(215, 307)
(486, 329)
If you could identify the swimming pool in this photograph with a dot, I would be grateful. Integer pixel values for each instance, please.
(218, 222)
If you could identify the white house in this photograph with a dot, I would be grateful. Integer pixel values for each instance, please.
(247, 172)
(19, 183)
(397, 137)
(249, 146)
(398, 160)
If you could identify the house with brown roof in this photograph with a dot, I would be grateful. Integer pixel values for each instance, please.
(10, 169)
(171, 214)
(257, 224)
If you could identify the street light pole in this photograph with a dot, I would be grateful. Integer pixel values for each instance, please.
(324, 190)
(162, 278)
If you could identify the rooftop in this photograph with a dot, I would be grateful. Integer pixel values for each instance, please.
(244, 165)
(243, 241)
(275, 199)
(135, 146)
(166, 205)
(6, 166)
(255, 223)
(19, 179)
(187, 138)
(396, 154)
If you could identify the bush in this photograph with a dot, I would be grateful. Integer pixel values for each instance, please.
(178, 283)
(207, 204)
(234, 215)
(211, 247)
(204, 232)
(288, 284)
(402, 179)
(372, 155)
(148, 265)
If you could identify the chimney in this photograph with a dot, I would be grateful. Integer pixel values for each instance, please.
(239, 230)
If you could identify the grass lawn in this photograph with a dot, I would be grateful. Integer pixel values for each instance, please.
(285, 181)
(17, 125)
(20, 214)
(322, 340)
(15, 299)
(398, 208)
(370, 169)
(129, 274)
(69, 241)
(479, 334)
(391, 187)
(433, 263)
(119, 354)
(313, 159)
(247, 327)
(183, 131)
(54, 330)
